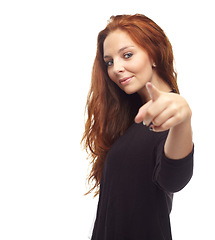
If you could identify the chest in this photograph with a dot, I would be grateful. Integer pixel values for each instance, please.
(131, 159)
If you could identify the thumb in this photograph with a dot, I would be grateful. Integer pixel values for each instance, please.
(154, 93)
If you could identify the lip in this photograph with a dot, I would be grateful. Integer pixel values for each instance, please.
(125, 80)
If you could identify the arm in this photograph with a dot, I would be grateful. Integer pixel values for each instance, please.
(179, 141)
(172, 175)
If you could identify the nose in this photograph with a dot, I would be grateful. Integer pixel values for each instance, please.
(118, 67)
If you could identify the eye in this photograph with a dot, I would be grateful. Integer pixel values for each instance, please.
(109, 63)
(128, 55)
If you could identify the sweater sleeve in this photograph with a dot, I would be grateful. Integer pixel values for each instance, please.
(170, 174)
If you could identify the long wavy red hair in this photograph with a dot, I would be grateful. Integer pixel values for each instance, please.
(110, 111)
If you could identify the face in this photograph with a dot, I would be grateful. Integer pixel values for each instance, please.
(128, 65)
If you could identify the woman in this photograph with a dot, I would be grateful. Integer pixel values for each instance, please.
(138, 131)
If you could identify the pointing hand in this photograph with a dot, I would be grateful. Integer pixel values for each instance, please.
(163, 111)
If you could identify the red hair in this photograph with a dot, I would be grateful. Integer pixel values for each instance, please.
(110, 110)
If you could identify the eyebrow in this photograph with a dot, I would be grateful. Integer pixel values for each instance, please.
(120, 50)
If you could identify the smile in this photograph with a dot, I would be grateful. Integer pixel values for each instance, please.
(125, 81)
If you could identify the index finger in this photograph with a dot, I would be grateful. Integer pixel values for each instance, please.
(153, 92)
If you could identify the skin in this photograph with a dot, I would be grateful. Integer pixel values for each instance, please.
(130, 67)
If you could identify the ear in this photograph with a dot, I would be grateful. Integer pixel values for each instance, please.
(153, 63)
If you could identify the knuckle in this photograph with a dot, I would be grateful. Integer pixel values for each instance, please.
(178, 117)
(168, 101)
(165, 126)
(149, 113)
(174, 107)
(156, 122)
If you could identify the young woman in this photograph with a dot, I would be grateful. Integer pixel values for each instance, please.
(138, 131)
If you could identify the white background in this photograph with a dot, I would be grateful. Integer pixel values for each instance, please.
(46, 55)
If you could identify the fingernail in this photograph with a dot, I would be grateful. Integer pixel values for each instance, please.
(151, 129)
(144, 123)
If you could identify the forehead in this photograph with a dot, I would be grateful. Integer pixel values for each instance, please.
(116, 40)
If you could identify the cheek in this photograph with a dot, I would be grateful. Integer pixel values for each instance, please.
(144, 70)
(141, 65)
(111, 75)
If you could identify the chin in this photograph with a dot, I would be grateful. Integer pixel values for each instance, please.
(130, 91)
